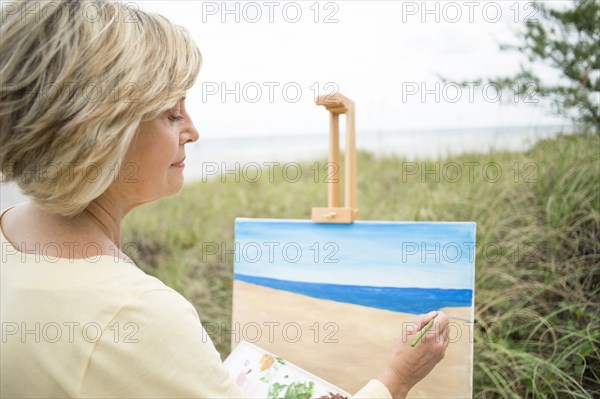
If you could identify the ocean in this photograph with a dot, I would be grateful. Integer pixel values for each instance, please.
(406, 300)
(235, 152)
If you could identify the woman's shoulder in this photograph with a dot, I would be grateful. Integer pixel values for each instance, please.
(96, 286)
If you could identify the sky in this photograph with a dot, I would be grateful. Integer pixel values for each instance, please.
(264, 62)
(378, 254)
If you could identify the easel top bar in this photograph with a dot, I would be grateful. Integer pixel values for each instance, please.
(336, 103)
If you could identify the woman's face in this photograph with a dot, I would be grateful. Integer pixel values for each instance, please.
(153, 166)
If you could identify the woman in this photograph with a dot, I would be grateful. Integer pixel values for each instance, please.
(93, 123)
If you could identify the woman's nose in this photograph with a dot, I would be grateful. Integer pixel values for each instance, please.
(190, 133)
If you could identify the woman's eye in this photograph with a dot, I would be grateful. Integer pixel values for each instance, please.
(175, 118)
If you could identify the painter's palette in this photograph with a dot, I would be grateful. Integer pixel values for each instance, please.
(261, 374)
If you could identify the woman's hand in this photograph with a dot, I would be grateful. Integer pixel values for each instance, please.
(408, 365)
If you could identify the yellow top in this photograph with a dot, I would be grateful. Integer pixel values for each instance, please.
(101, 327)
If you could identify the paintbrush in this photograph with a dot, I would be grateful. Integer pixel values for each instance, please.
(422, 332)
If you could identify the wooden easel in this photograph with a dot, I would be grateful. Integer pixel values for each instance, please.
(338, 104)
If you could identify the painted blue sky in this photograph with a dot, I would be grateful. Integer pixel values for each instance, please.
(366, 253)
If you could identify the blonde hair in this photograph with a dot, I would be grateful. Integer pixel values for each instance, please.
(77, 78)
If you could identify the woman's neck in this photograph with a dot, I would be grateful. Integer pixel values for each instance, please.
(106, 216)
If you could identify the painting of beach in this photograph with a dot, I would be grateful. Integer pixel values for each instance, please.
(334, 298)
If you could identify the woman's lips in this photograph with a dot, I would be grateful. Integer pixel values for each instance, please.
(179, 164)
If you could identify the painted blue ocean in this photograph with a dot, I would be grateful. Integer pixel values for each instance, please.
(406, 300)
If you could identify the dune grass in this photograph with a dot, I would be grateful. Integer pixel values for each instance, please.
(538, 254)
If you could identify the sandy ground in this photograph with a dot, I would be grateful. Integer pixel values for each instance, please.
(353, 347)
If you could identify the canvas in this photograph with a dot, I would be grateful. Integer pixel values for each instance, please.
(333, 298)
